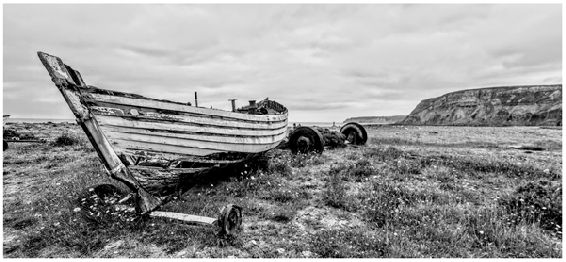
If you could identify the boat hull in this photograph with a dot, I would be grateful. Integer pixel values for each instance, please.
(168, 130)
(158, 147)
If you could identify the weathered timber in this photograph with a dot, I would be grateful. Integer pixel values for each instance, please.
(124, 109)
(67, 81)
(182, 128)
(158, 147)
(206, 137)
(119, 139)
(229, 221)
(193, 219)
(166, 160)
(184, 108)
(130, 112)
(161, 180)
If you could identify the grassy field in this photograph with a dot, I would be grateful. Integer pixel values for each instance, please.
(410, 192)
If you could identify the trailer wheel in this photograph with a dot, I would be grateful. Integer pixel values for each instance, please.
(355, 133)
(230, 220)
(4, 145)
(306, 139)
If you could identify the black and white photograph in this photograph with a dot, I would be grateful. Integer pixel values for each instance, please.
(282, 130)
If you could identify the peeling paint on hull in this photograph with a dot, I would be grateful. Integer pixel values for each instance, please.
(155, 146)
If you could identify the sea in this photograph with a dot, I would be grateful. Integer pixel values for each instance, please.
(39, 120)
(63, 120)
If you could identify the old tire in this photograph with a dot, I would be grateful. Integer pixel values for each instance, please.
(230, 220)
(355, 133)
(306, 139)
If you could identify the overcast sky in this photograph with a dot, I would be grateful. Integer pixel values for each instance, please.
(324, 62)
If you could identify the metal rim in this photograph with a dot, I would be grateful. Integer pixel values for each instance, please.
(355, 133)
(230, 220)
(303, 144)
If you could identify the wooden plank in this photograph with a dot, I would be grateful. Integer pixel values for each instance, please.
(159, 180)
(123, 110)
(157, 148)
(256, 140)
(193, 219)
(115, 121)
(178, 146)
(185, 119)
(185, 143)
(174, 156)
(184, 108)
(95, 90)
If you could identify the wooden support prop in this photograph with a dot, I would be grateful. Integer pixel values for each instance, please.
(193, 219)
(229, 221)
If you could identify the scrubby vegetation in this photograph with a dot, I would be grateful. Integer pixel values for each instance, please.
(65, 140)
(536, 202)
(335, 194)
(348, 244)
(427, 198)
(13, 134)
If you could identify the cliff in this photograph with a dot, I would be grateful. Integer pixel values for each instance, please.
(375, 119)
(494, 106)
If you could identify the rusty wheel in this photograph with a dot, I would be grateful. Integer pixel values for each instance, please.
(305, 139)
(355, 133)
(230, 220)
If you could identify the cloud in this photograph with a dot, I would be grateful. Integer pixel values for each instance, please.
(324, 62)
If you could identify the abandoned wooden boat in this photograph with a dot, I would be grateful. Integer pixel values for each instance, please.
(156, 146)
